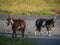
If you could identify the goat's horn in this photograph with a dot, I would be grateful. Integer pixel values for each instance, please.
(54, 18)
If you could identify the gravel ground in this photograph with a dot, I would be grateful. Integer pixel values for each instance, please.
(30, 26)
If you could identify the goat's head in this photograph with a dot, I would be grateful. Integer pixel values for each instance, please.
(53, 20)
(9, 21)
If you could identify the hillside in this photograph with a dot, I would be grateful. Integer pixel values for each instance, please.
(30, 7)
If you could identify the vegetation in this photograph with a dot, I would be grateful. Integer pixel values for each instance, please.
(30, 7)
(14, 41)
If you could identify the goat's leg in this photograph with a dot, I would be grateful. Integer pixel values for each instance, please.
(48, 29)
(13, 34)
(38, 29)
(35, 33)
(49, 33)
(22, 33)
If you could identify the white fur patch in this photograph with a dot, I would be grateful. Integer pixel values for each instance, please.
(43, 23)
(19, 27)
(12, 21)
(35, 33)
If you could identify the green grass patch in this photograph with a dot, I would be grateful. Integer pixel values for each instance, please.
(4, 40)
(40, 12)
(30, 7)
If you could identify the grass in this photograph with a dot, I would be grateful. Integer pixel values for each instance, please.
(4, 40)
(30, 7)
